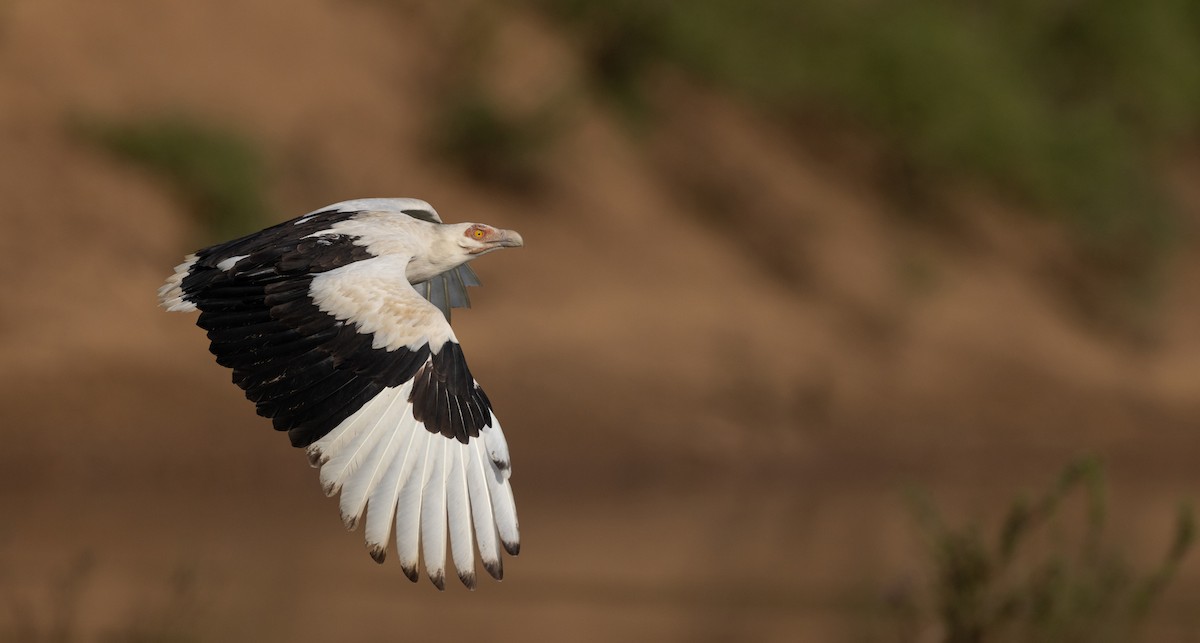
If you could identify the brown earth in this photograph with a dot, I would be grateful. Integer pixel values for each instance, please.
(714, 404)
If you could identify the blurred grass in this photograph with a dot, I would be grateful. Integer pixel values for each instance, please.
(174, 614)
(1043, 577)
(490, 145)
(61, 624)
(493, 142)
(219, 174)
(1066, 106)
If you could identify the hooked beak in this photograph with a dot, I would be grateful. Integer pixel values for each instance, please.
(510, 239)
(501, 239)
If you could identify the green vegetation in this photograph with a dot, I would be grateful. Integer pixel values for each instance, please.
(473, 130)
(219, 174)
(1064, 105)
(490, 145)
(1040, 579)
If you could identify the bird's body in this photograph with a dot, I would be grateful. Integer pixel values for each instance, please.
(336, 325)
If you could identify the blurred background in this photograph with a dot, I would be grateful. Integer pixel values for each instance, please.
(854, 322)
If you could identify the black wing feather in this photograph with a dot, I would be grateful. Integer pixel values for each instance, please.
(303, 368)
(446, 377)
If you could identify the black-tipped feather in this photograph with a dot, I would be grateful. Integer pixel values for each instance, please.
(495, 568)
(411, 572)
(378, 554)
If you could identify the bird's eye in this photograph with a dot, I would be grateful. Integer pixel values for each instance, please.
(478, 234)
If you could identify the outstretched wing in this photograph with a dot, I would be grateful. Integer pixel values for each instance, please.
(339, 350)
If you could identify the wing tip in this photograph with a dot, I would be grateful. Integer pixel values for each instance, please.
(439, 579)
(410, 570)
(512, 547)
(315, 457)
(468, 579)
(495, 568)
(378, 553)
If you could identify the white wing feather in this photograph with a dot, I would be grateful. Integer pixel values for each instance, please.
(504, 508)
(458, 508)
(323, 450)
(347, 459)
(433, 514)
(382, 504)
(481, 508)
(359, 486)
(408, 505)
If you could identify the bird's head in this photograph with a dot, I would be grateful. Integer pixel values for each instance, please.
(452, 244)
(477, 238)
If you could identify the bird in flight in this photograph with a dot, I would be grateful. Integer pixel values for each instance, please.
(337, 326)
